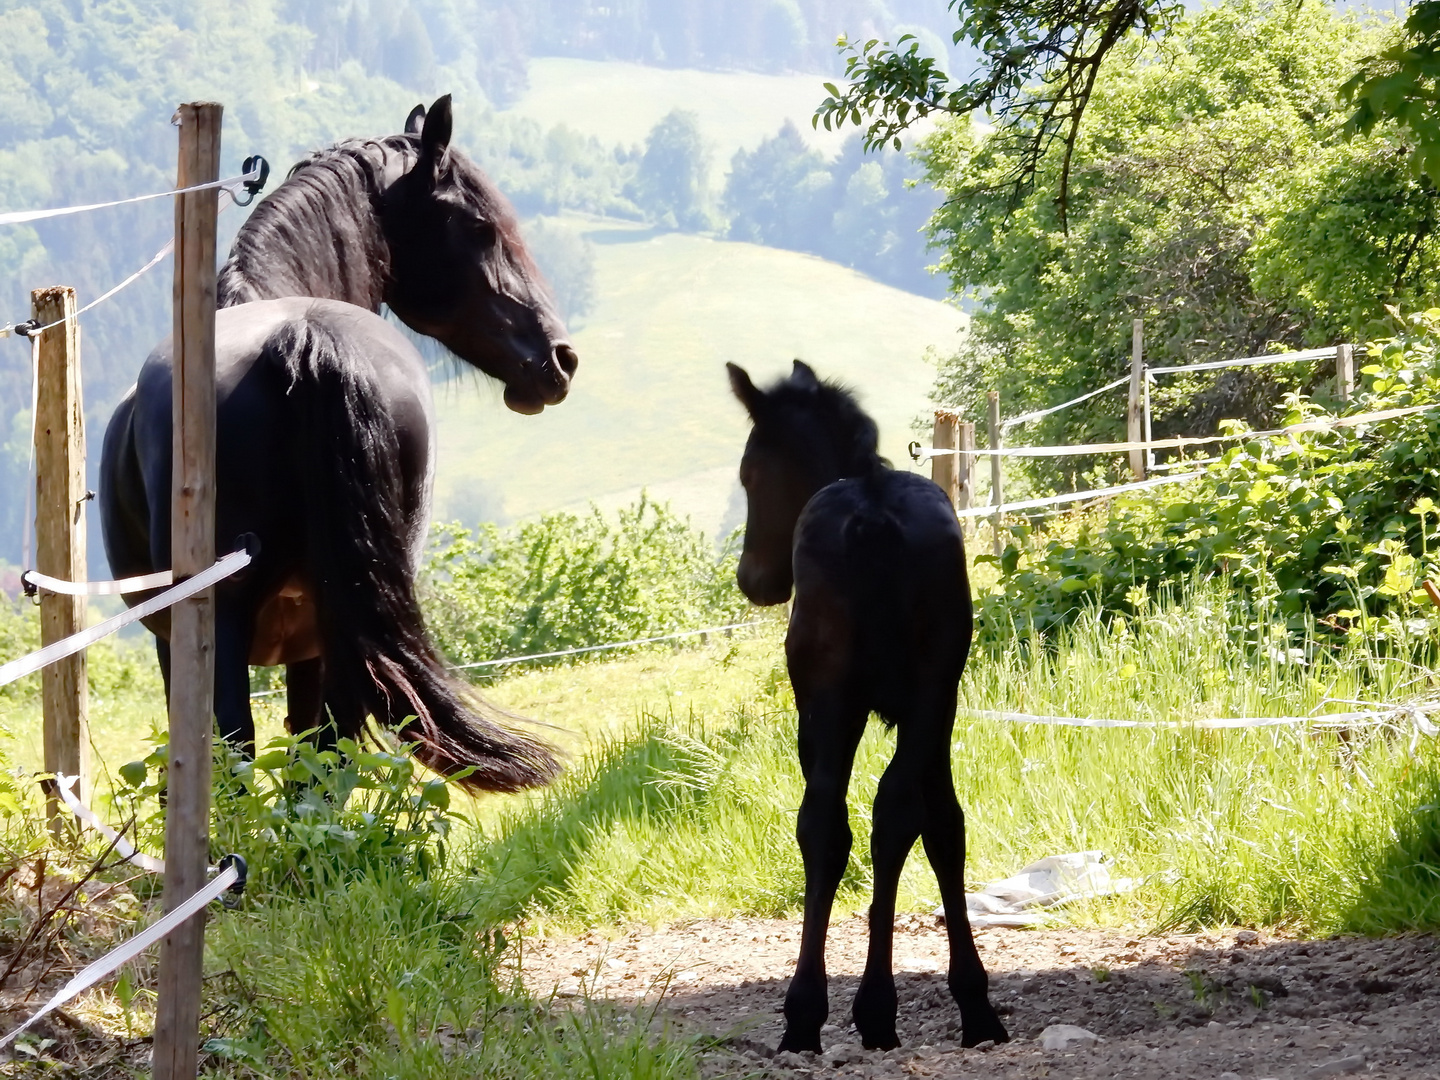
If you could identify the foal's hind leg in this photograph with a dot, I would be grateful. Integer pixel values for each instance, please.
(830, 730)
(232, 677)
(898, 816)
(305, 702)
(944, 835)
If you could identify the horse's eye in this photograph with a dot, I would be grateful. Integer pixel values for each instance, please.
(485, 234)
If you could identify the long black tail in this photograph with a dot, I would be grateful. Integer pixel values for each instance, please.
(875, 546)
(379, 660)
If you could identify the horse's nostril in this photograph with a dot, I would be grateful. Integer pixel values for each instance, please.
(566, 359)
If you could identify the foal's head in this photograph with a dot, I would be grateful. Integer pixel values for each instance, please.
(411, 222)
(807, 433)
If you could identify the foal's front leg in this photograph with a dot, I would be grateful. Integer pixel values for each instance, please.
(830, 729)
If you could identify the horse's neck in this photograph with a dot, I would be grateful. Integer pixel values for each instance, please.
(310, 240)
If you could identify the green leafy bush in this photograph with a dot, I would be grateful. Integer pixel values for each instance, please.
(1339, 524)
(309, 820)
(568, 581)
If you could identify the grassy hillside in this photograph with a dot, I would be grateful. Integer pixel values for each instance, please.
(651, 405)
(620, 103)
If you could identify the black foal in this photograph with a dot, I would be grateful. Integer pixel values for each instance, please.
(881, 623)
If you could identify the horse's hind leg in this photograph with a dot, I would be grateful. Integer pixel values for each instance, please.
(944, 835)
(830, 729)
(899, 816)
(232, 678)
(305, 702)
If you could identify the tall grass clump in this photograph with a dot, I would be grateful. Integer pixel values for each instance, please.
(568, 581)
(1310, 827)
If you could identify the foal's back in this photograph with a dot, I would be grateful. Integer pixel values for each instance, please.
(882, 599)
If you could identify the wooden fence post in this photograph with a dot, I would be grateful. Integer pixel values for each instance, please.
(997, 475)
(1134, 420)
(60, 537)
(965, 472)
(1344, 372)
(192, 622)
(943, 467)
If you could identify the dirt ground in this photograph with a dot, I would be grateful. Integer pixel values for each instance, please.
(1221, 1006)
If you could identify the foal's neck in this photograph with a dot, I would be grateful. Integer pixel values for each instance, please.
(319, 234)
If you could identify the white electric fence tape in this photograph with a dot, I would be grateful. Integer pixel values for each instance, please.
(46, 583)
(1023, 418)
(20, 217)
(89, 976)
(66, 786)
(598, 648)
(1346, 719)
(26, 665)
(1248, 361)
(1075, 496)
(921, 453)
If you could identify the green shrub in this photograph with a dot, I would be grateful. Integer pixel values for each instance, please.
(568, 581)
(1339, 525)
(309, 820)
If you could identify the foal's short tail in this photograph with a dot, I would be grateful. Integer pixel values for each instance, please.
(379, 660)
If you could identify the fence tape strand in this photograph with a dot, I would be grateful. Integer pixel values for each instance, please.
(21, 217)
(1075, 496)
(609, 645)
(923, 453)
(1416, 714)
(65, 785)
(132, 948)
(46, 583)
(26, 665)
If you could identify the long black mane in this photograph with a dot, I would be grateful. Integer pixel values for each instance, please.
(322, 232)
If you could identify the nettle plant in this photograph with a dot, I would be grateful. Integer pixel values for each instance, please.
(306, 819)
(1337, 526)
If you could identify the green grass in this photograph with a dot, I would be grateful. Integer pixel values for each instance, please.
(691, 811)
(651, 406)
(620, 103)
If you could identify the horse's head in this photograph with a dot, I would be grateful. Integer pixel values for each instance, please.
(460, 273)
(806, 433)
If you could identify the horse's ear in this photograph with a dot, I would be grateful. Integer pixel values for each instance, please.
(435, 139)
(415, 121)
(804, 377)
(744, 389)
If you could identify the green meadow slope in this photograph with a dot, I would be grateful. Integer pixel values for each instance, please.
(651, 406)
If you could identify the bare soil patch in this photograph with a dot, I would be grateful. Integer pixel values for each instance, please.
(1217, 1006)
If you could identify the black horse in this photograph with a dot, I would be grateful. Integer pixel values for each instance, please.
(325, 444)
(881, 622)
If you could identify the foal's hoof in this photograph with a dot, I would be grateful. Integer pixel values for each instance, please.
(795, 1043)
(879, 1040)
(978, 1029)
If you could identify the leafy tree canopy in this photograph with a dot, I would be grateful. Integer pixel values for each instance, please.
(1212, 195)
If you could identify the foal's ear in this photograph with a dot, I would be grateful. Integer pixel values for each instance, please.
(415, 121)
(804, 377)
(744, 389)
(435, 139)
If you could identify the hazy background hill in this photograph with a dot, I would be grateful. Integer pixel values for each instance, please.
(661, 154)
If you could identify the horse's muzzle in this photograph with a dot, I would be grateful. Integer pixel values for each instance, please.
(549, 385)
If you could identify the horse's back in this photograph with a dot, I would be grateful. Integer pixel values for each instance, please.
(882, 599)
(259, 482)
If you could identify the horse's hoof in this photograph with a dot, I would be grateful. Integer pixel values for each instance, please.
(885, 1040)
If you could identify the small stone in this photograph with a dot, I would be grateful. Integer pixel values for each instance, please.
(1246, 937)
(988, 1044)
(1340, 1066)
(1066, 1037)
(1214, 1025)
(1229, 1076)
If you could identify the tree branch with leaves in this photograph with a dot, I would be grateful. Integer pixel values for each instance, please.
(1040, 62)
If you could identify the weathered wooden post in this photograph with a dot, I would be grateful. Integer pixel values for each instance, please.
(965, 471)
(60, 535)
(1133, 421)
(192, 621)
(943, 467)
(997, 476)
(1344, 372)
